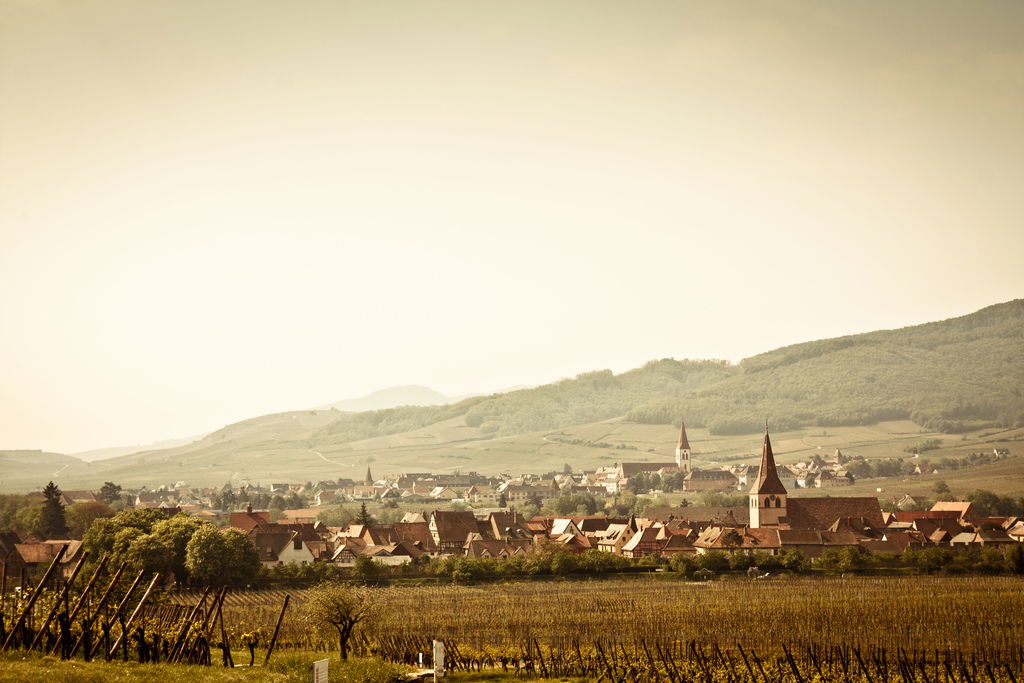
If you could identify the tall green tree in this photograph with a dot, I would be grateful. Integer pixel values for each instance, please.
(364, 516)
(52, 523)
(110, 493)
(80, 516)
(221, 557)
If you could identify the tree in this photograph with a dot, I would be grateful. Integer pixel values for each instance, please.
(340, 607)
(51, 518)
(80, 516)
(940, 487)
(364, 517)
(110, 493)
(365, 569)
(173, 535)
(221, 557)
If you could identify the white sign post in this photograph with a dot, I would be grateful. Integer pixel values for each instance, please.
(320, 671)
(438, 660)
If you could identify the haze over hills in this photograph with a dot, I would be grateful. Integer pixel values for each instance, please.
(114, 451)
(950, 376)
(410, 395)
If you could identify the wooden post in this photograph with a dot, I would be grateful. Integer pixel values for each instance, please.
(176, 645)
(206, 620)
(88, 588)
(138, 608)
(60, 602)
(81, 598)
(277, 629)
(120, 608)
(88, 621)
(35, 596)
(224, 636)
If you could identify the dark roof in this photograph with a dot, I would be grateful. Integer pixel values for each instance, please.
(821, 513)
(454, 525)
(684, 443)
(741, 514)
(631, 468)
(710, 474)
(767, 477)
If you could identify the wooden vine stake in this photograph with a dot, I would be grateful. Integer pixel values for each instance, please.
(35, 596)
(138, 608)
(277, 629)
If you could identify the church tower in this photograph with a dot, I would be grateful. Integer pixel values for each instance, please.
(683, 450)
(369, 477)
(767, 495)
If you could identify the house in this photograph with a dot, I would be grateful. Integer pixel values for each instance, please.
(965, 511)
(479, 547)
(445, 493)
(616, 536)
(249, 520)
(304, 516)
(42, 553)
(646, 541)
(746, 539)
(451, 528)
(709, 480)
(282, 547)
(828, 478)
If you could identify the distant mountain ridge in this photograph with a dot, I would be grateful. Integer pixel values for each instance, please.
(392, 397)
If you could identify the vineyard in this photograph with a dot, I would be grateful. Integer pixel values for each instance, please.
(845, 629)
(648, 628)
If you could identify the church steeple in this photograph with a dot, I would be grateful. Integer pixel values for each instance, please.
(768, 477)
(767, 495)
(369, 477)
(683, 449)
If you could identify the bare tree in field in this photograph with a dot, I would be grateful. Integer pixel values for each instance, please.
(341, 607)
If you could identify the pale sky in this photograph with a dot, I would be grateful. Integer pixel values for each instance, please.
(212, 210)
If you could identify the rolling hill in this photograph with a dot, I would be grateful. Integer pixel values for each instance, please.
(873, 391)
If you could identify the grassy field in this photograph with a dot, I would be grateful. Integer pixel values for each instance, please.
(289, 668)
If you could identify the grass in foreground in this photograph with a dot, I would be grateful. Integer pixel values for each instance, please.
(288, 668)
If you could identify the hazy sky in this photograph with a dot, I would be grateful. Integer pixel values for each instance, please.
(212, 210)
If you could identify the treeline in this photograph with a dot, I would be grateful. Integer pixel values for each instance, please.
(986, 560)
(551, 561)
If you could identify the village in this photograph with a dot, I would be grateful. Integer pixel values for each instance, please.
(501, 517)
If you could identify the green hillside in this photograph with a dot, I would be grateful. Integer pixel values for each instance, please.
(28, 470)
(950, 376)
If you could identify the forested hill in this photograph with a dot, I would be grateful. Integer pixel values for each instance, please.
(948, 376)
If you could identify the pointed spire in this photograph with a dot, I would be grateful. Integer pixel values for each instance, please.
(369, 477)
(684, 443)
(768, 477)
